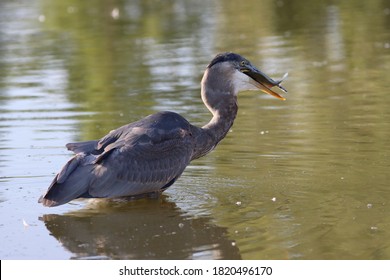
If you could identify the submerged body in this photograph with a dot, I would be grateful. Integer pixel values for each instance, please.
(148, 156)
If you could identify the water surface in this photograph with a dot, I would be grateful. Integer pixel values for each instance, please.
(307, 178)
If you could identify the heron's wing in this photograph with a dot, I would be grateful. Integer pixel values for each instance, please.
(114, 135)
(141, 163)
(127, 167)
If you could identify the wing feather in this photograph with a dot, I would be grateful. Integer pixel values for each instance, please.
(144, 168)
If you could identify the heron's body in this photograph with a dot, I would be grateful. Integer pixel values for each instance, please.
(147, 156)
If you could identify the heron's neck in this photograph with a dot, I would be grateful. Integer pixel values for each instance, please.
(213, 132)
(222, 120)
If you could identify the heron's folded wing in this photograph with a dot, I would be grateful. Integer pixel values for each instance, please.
(144, 167)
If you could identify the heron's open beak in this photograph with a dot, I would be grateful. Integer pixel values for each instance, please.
(263, 82)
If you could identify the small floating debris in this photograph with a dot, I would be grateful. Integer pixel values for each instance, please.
(115, 13)
(369, 205)
(41, 18)
(25, 224)
(273, 199)
(238, 203)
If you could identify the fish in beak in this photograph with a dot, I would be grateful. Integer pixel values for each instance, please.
(262, 81)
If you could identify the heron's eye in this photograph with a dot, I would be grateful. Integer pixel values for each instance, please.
(243, 63)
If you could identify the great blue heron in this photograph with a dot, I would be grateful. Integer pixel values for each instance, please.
(146, 157)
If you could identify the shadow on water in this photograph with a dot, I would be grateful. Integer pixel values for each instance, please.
(145, 229)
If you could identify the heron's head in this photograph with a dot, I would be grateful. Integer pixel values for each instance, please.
(234, 72)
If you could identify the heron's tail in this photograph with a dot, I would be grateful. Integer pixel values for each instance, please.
(70, 183)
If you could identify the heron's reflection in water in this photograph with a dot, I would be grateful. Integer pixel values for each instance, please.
(143, 229)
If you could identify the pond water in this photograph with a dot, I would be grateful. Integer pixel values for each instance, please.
(305, 178)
